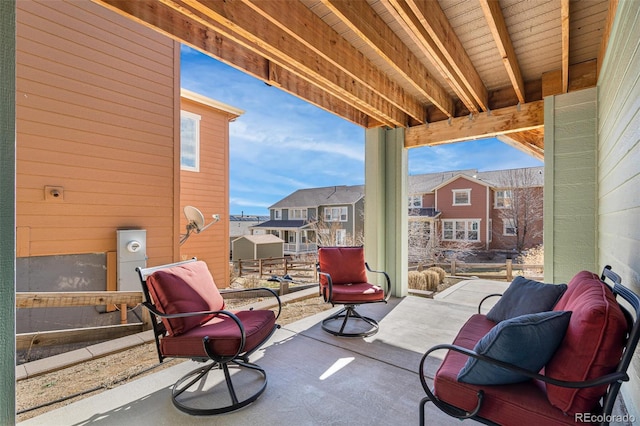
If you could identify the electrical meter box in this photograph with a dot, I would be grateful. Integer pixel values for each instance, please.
(132, 253)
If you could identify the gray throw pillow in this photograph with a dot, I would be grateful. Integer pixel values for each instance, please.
(527, 341)
(525, 296)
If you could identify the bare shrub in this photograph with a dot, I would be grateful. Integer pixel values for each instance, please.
(441, 273)
(432, 279)
(417, 280)
(533, 256)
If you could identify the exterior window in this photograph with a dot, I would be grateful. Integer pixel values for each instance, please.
(341, 236)
(298, 214)
(461, 230)
(461, 197)
(189, 141)
(503, 199)
(277, 214)
(508, 227)
(335, 214)
(415, 201)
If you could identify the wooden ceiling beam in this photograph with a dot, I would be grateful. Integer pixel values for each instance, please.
(192, 32)
(237, 22)
(564, 12)
(495, 20)
(530, 142)
(414, 29)
(611, 14)
(299, 32)
(435, 22)
(529, 116)
(367, 24)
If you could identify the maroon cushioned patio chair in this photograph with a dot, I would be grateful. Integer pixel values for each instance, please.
(343, 281)
(190, 321)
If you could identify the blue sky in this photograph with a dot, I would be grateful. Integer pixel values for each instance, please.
(282, 143)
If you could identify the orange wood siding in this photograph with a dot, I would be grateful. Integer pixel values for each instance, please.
(95, 107)
(208, 190)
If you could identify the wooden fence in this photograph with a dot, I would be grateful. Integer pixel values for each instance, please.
(120, 299)
(278, 266)
(493, 271)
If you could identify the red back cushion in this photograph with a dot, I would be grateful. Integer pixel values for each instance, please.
(344, 264)
(185, 288)
(592, 345)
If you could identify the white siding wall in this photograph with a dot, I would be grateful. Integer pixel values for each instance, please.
(619, 163)
(570, 213)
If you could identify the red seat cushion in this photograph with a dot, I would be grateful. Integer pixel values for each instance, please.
(592, 345)
(184, 288)
(223, 333)
(357, 293)
(520, 403)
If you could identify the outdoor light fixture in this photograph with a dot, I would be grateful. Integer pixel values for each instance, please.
(195, 222)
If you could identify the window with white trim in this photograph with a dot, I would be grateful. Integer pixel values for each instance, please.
(189, 141)
(415, 201)
(508, 227)
(461, 197)
(461, 230)
(335, 214)
(502, 199)
(298, 214)
(277, 214)
(341, 236)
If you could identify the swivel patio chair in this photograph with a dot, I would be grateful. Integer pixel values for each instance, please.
(343, 281)
(190, 321)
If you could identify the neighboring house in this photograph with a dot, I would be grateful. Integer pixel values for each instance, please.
(496, 210)
(204, 178)
(331, 215)
(98, 128)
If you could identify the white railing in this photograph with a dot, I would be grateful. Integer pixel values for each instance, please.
(300, 248)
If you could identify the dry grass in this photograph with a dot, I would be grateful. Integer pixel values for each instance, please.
(95, 376)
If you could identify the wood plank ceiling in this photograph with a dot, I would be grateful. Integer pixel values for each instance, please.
(446, 70)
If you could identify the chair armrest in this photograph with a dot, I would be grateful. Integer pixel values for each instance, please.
(485, 298)
(618, 376)
(243, 336)
(387, 290)
(271, 292)
(328, 297)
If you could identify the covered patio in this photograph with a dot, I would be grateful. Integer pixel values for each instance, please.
(561, 84)
(315, 378)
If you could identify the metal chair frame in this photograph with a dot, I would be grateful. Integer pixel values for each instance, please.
(238, 360)
(349, 309)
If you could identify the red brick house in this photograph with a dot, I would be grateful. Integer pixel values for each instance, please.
(497, 211)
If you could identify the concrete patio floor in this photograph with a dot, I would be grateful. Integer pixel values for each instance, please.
(314, 378)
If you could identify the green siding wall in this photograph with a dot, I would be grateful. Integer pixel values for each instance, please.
(570, 209)
(7, 211)
(619, 163)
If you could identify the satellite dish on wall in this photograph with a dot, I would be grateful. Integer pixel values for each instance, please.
(195, 222)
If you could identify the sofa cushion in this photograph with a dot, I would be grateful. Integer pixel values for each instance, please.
(526, 341)
(525, 296)
(344, 264)
(184, 288)
(506, 404)
(592, 345)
